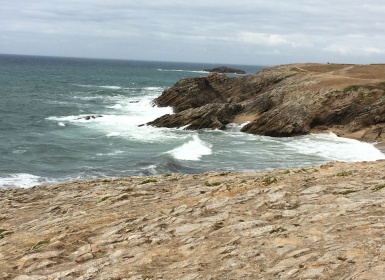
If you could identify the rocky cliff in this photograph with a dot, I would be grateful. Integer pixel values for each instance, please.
(324, 222)
(285, 100)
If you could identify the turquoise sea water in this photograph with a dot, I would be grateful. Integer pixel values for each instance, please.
(45, 135)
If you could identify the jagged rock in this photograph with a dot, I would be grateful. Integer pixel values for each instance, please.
(225, 69)
(214, 115)
(284, 100)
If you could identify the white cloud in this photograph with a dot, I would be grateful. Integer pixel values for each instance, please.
(266, 39)
(271, 32)
(352, 50)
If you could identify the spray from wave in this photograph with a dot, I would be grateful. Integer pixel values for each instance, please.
(192, 150)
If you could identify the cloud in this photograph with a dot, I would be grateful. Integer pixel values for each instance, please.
(352, 50)
(219, 31)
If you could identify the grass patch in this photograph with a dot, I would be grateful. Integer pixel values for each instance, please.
(39, 244)
(351, 88)
(4, 232)
(269, 180)
(379, 187)
(167, 175)
(224, 173)
(344, 173)
(148, 181)
(104, 198)
(129, 189)
(286, 172)
(347, 192)
(208, 184)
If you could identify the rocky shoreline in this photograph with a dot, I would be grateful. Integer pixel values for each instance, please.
(285, 100)
(325, 222)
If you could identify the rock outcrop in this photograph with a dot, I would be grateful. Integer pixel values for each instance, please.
(285, 100)
(324, 222)
(225, 69)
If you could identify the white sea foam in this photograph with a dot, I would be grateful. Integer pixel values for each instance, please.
(21, 180)
(192, 150)
(332, 147)
(113, 134)
(110, 87)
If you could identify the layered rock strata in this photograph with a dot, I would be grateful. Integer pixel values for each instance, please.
(324, 222)
(285, 100)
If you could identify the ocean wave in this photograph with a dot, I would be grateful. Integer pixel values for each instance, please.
(21, 180)
(192, 150)
(332, 147)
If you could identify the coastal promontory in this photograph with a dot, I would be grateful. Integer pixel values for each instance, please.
(285, 100)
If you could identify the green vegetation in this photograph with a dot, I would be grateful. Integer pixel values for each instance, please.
(208, 184)
(148, 181)
(286, 172)
(269, 180)
(379, 187)
(39, 244)
(128, 189)
(4, 232)
(351, 88)
(344, 173)
(167, 175)
(104, 198)
(224, 173)
(347, 192)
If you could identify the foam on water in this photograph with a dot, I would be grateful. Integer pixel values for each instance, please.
(192, 150)
(21, 180)
(332, 147)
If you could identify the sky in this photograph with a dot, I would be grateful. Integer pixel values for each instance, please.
(254, 32)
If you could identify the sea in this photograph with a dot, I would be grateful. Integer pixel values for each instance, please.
(65, 119)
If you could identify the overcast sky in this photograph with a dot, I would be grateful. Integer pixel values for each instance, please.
(254, 32)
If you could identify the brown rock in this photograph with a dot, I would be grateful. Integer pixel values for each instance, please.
(322, 222)
(284, 100)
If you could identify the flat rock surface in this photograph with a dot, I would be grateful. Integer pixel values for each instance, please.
(325, 222)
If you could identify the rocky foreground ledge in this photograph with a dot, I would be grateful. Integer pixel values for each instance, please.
(324, 222)
(284, 100)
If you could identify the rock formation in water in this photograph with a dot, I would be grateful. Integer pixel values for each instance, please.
(285, 100)
(224, 69)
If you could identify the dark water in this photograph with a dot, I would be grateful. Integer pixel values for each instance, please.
(45, 136)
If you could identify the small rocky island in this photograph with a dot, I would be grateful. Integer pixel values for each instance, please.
(227, 70)
(286, 100)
